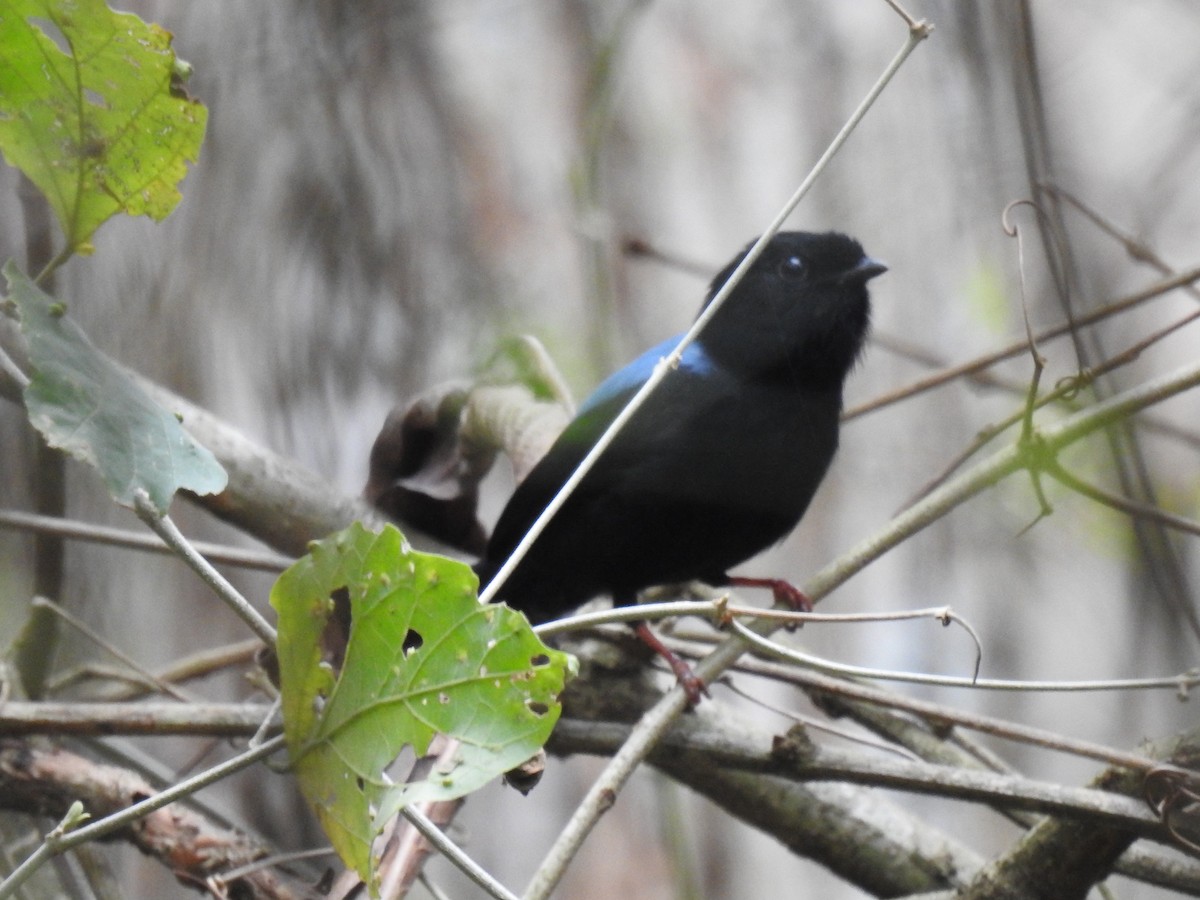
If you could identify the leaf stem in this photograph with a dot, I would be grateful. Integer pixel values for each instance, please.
(54, 264)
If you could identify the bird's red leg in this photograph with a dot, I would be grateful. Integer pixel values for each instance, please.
(785, 592)
(691, 683)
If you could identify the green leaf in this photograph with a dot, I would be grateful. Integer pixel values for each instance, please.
(475, 673)
(84, 403)
(101, 125)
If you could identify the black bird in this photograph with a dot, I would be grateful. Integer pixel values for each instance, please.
(721, 461)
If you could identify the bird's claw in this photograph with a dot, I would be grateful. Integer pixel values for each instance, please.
(790, 596)
(785, 593)
(693, 685)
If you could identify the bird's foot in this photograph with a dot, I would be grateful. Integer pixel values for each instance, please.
(692, 684)
(786, 593)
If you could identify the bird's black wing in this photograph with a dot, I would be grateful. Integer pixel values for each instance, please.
(546, 478)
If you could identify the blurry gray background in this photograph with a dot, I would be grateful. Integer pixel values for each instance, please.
(388, 189)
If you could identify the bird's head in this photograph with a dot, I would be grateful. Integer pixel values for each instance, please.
(801, 311)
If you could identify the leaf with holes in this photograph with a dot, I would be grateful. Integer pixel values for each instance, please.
(84, 403)
(93, 110)
(380, 648)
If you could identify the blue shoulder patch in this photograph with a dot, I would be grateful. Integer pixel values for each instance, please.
(627, 380)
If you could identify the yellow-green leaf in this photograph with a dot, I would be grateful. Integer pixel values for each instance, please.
(93, 111)
(422, 656)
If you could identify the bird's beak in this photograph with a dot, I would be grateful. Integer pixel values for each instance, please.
(866, 269)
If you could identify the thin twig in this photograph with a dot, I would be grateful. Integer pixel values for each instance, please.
(479, 875)
(220, 884)
(917, 33)
(165, 528)
(270, 722)
(129, 756)
(712, 610)
(1138, 862)
(12, 370)
(437, 892)
(1039, 361)
(187, 668)
(134, 540)
(814, 724)
(986, 361)
(640, 246)
(977, 375)
(737, 751)
(720, 611)
(109, 824)
(603, 791)
(1066, 389)
(1138, 250)
(228, 720)
(1181, 683)
(1122, 504)
(112, 649)
(1053, 438)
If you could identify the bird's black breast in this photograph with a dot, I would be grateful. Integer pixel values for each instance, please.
(757, 450)
(709, 472)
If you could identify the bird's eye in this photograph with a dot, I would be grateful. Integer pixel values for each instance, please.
(791, 267)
